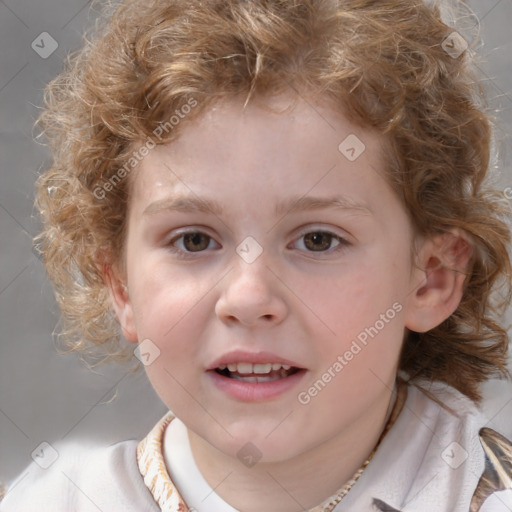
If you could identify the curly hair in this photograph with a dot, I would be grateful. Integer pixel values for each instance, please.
(384, 63)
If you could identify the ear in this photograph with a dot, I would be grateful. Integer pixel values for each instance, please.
(120, 298)
(442, 265)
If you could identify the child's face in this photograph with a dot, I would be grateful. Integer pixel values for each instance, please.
(327, 272)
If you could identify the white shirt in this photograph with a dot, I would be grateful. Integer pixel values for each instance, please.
(185, 474)
(430, 461)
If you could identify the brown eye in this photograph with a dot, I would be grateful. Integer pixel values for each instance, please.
(319, 241)
(195, 242)
(188, 244)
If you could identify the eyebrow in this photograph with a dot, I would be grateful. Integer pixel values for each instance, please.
(194, 204)
(302, 203)
(184, 204)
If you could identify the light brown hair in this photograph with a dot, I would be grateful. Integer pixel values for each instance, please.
(382, 62)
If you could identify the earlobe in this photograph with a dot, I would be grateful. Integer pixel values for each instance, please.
(121, 302)
(443, 263)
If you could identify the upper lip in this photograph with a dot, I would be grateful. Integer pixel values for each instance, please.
(240, 356)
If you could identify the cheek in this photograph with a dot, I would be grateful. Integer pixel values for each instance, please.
(361, 359)
(164, 296)
(355, 297)
(361, 309)
(173, 313)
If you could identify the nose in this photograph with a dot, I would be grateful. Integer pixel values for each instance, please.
(252, 296)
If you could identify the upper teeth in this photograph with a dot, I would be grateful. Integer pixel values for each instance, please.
(248, 368)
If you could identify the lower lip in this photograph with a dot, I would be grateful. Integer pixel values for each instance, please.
(255, 391)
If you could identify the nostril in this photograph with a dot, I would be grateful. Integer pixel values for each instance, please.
(267, 317)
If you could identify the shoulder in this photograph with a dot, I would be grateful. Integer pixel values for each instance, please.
(443, 454)
(82, 478)
(456, 412)
(480, 453)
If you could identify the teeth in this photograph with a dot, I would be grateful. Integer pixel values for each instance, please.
(245, 379)
(249, 368)
(262, 368)
(259, 378)
(244, 368)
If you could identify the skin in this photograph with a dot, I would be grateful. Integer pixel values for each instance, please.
(294, 300)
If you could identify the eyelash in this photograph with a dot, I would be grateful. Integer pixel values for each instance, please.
(343, 243)
(183, 253)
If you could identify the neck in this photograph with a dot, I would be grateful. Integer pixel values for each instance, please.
(299, 483)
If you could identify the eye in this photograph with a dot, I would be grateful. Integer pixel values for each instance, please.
(320, 241)
(193, 241)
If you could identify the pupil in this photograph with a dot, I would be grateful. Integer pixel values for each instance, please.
(195, 241)
(317, 241)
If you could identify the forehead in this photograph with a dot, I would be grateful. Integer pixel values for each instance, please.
(283, 142)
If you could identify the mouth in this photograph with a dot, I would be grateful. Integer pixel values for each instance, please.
(256, 373)
(254, 376)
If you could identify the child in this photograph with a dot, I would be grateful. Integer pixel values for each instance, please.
(283, 204)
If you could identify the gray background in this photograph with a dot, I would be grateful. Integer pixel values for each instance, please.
(49, 397)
